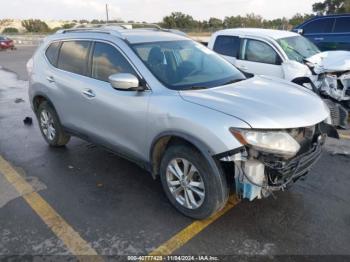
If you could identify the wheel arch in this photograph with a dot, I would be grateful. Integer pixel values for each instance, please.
(38, 99)
(165, 139)
(305, 80)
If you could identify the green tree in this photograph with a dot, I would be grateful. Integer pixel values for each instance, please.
(68, 25)
(331, 7)
(10, 30)
(253, 20)
(298, 19)
(233, 21)
(178, 20)
(35, 26)
(214, 23)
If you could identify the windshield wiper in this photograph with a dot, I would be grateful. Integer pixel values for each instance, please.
(233, 81)
(196, 87)
(297, 52)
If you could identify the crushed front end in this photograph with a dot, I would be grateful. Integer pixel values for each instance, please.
(259, 171)
(334, 89)
(335, 85)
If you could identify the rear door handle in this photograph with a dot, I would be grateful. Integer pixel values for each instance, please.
(89, 93)
(319, 39)
(50, 79)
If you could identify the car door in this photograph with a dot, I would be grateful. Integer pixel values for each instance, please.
(68, 82)
(319, 31)
(341, 33)
(91, 107)
(260, 58)
(116, 118)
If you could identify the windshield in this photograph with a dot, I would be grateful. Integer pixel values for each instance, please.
(182, 65)
(298, 48)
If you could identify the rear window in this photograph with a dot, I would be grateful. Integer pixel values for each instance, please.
(52, 53)
(324, 25)
(227, 45)
(73, 57)
(342, 25)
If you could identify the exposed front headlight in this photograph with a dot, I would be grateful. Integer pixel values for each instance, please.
(275, 142)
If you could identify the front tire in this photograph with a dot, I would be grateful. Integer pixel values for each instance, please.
(50, 126)
(192, 185)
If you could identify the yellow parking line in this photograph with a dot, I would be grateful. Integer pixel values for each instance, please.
(72, 240)
(191, 231)
(344, 136)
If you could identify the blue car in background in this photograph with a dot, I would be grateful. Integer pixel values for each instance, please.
(331, 32)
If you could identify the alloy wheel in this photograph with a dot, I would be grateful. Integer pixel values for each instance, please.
(47, 125)
(185, 183)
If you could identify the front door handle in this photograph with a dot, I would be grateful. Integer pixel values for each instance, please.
(89, 93)
(50, 79)
(319, 39)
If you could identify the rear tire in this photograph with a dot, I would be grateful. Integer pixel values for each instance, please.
(50, 126)
(208, 186)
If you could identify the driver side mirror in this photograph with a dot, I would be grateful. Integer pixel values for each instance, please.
(125, 81)
(300, 31)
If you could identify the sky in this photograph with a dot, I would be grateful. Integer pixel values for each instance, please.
(149, 10)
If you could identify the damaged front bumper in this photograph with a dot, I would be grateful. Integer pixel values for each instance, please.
(335, 85)
(258, 175)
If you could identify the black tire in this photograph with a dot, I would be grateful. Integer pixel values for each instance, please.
(60, 138)
(215, 184)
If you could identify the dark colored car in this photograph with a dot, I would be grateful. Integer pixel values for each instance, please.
(331, 32)
(6, 43)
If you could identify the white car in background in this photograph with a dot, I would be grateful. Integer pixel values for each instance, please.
(290, 56)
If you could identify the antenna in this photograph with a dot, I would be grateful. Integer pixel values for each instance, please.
(107, 13)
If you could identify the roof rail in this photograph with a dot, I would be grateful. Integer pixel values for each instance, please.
(121, 25)
(116, 28)
(92, 30)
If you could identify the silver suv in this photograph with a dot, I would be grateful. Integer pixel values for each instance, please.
(178, 110)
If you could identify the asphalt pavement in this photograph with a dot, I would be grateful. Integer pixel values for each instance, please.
(115, 208)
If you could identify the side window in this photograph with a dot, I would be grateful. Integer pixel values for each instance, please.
(227, 45)
(73, 57)
(52, 53)
(258, 51)
(324, 25)
(342, 25)
(107, 60)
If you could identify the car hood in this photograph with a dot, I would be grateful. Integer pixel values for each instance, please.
(331, 61)
(263, 102)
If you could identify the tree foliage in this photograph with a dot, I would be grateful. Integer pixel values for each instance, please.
(68, 25)
(35, 26)
(331, 7)
(178, 20)
(10, 30)
(186, 22)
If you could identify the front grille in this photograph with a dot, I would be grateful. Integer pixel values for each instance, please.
(294, 168)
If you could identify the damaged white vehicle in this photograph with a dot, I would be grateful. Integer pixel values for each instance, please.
(292, 57)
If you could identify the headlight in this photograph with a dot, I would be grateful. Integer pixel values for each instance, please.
(275, 142)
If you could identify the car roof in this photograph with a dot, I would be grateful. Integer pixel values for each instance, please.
(132, 36)
(144, 35)
(271, 33)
